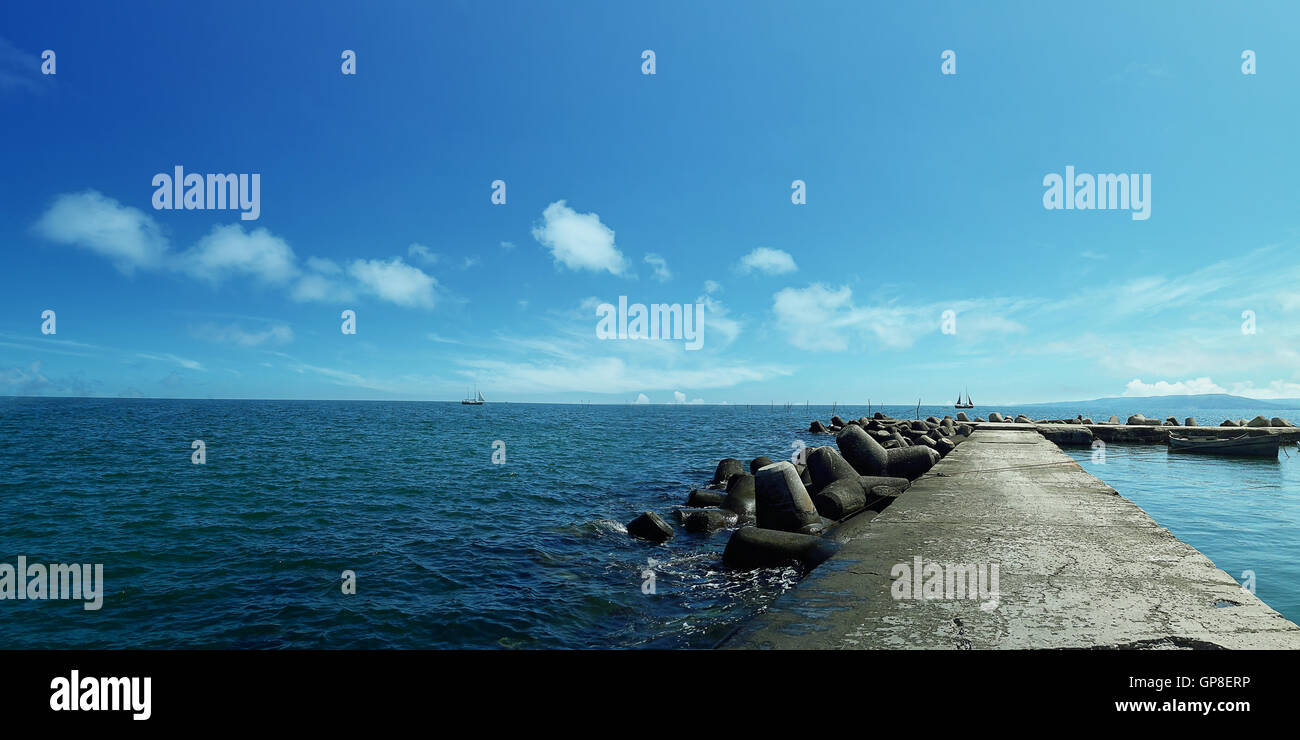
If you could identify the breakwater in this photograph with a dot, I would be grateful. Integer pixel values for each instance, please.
(1066, 563)
(794, 511)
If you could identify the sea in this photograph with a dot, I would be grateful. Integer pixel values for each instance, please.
(349, 524)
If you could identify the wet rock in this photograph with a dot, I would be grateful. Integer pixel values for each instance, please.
(863, 453)
(709, 520)
(826, 465)
(726, 469)
(753, 547)
(782, 501)
(911, 462)
(759, 462)
(703, 497)
(650, 526)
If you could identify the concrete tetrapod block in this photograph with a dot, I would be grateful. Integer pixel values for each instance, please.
(740, 498)
(871, 481)
(911, 462)
(701, 498)
(826, 465)
(783, 502)
(650, 526)
(752, 547)
(880, 497)
(759, 462)
(841, 498)
(863, 452)
(726, 469)
(708, 520)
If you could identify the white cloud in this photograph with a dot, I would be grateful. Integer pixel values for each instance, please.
(1275, 389)
(319, 288)
(642, 398)
(660, 265)
(679, 397)
(579, 241)
(126, 236)
(228, 251)
(712, 286)
(396, 282)
(716, 320)
(813, 318)
(770, 261)
(1188, 387)
(507, 245)
(324, 266)
(421, 252)
(236, 334)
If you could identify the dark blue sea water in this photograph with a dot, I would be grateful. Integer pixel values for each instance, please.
(451, 550)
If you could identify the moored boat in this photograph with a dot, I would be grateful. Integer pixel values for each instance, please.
(1264, 445)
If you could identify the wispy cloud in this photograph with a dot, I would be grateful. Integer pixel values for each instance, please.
(168, 357)
(275, 333)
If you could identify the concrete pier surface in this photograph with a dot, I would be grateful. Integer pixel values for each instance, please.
(1079, 566)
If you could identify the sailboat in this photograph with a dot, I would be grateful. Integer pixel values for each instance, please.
(967, 405)
(477, 400)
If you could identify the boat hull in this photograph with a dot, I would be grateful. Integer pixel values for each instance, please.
(1245, 446)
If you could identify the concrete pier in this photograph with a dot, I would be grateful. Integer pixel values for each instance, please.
(1139, 433)
(1079, 566)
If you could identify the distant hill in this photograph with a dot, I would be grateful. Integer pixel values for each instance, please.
(1153, 403)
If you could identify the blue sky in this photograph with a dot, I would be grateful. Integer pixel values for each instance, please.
(924, 195)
